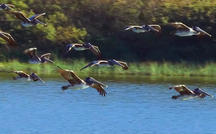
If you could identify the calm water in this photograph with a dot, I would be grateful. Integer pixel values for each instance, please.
(141, 106)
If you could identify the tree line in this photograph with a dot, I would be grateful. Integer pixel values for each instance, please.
(102, 23)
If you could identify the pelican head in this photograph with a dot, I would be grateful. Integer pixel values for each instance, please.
(69, 47)
(114, 62)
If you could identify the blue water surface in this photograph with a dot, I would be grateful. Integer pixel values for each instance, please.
(129, 108)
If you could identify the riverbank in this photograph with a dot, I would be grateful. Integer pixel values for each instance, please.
(145, 68)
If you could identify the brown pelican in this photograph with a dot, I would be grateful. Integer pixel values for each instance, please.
(183, 30)
(6, 7)
(85, 46)
(22, 74)
(7, 37)
(78, 83)
(32, 52)
(111, 62)
(144, 28)
(183, 90)
(27, 22)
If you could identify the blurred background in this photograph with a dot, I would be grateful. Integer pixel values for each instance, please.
(102, 22)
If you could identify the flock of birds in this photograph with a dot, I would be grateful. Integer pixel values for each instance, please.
(74, 80)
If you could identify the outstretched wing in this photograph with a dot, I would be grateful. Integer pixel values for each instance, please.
(36, 16)
(99, 88)
(21, 74)
(180, 25)
(7, 37)
(156, 28)
(70, 76)
(32, 52)
(202, 32)
(19, 15)
(10, 5)
(131, 27)
(182, 89)
(91, 64)
(35, 77)
(124, 65)
(97, 85)
(200, 91)
(46, 55)
(96, 51)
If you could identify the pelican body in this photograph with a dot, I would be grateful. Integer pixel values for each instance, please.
(183, 90)
(28, 22)
(78, 83)
(108, 63)
(32, 52)
(86, 46)
(144, 28)
(183, 30)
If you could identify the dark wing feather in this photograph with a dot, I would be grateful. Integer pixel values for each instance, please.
(32, 52)
(19, 15)
(96, 51)
(99, 88)
(36, 16)
(124, 65)
(93, 63)
(7, 37)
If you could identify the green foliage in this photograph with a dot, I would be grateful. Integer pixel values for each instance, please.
(102, 22)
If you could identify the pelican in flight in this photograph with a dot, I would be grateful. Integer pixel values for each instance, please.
(32, 52)
(183, 90)
(144, 28)
(23, 75)
(183, 30)
(109, 63)
(7, 37)
(86, 46)
(28, 22)
(78, 83)
(6, 7)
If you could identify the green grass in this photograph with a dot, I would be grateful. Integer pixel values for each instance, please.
(146, 68)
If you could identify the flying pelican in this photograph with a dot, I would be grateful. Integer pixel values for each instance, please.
(76, 82)
(32, 52)
(28, 22)
(111, 62)
(144, 28)
(22, 74)
(183, 90)
(7, 37)
(183, 30)
(6, 7)
(86, 46)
